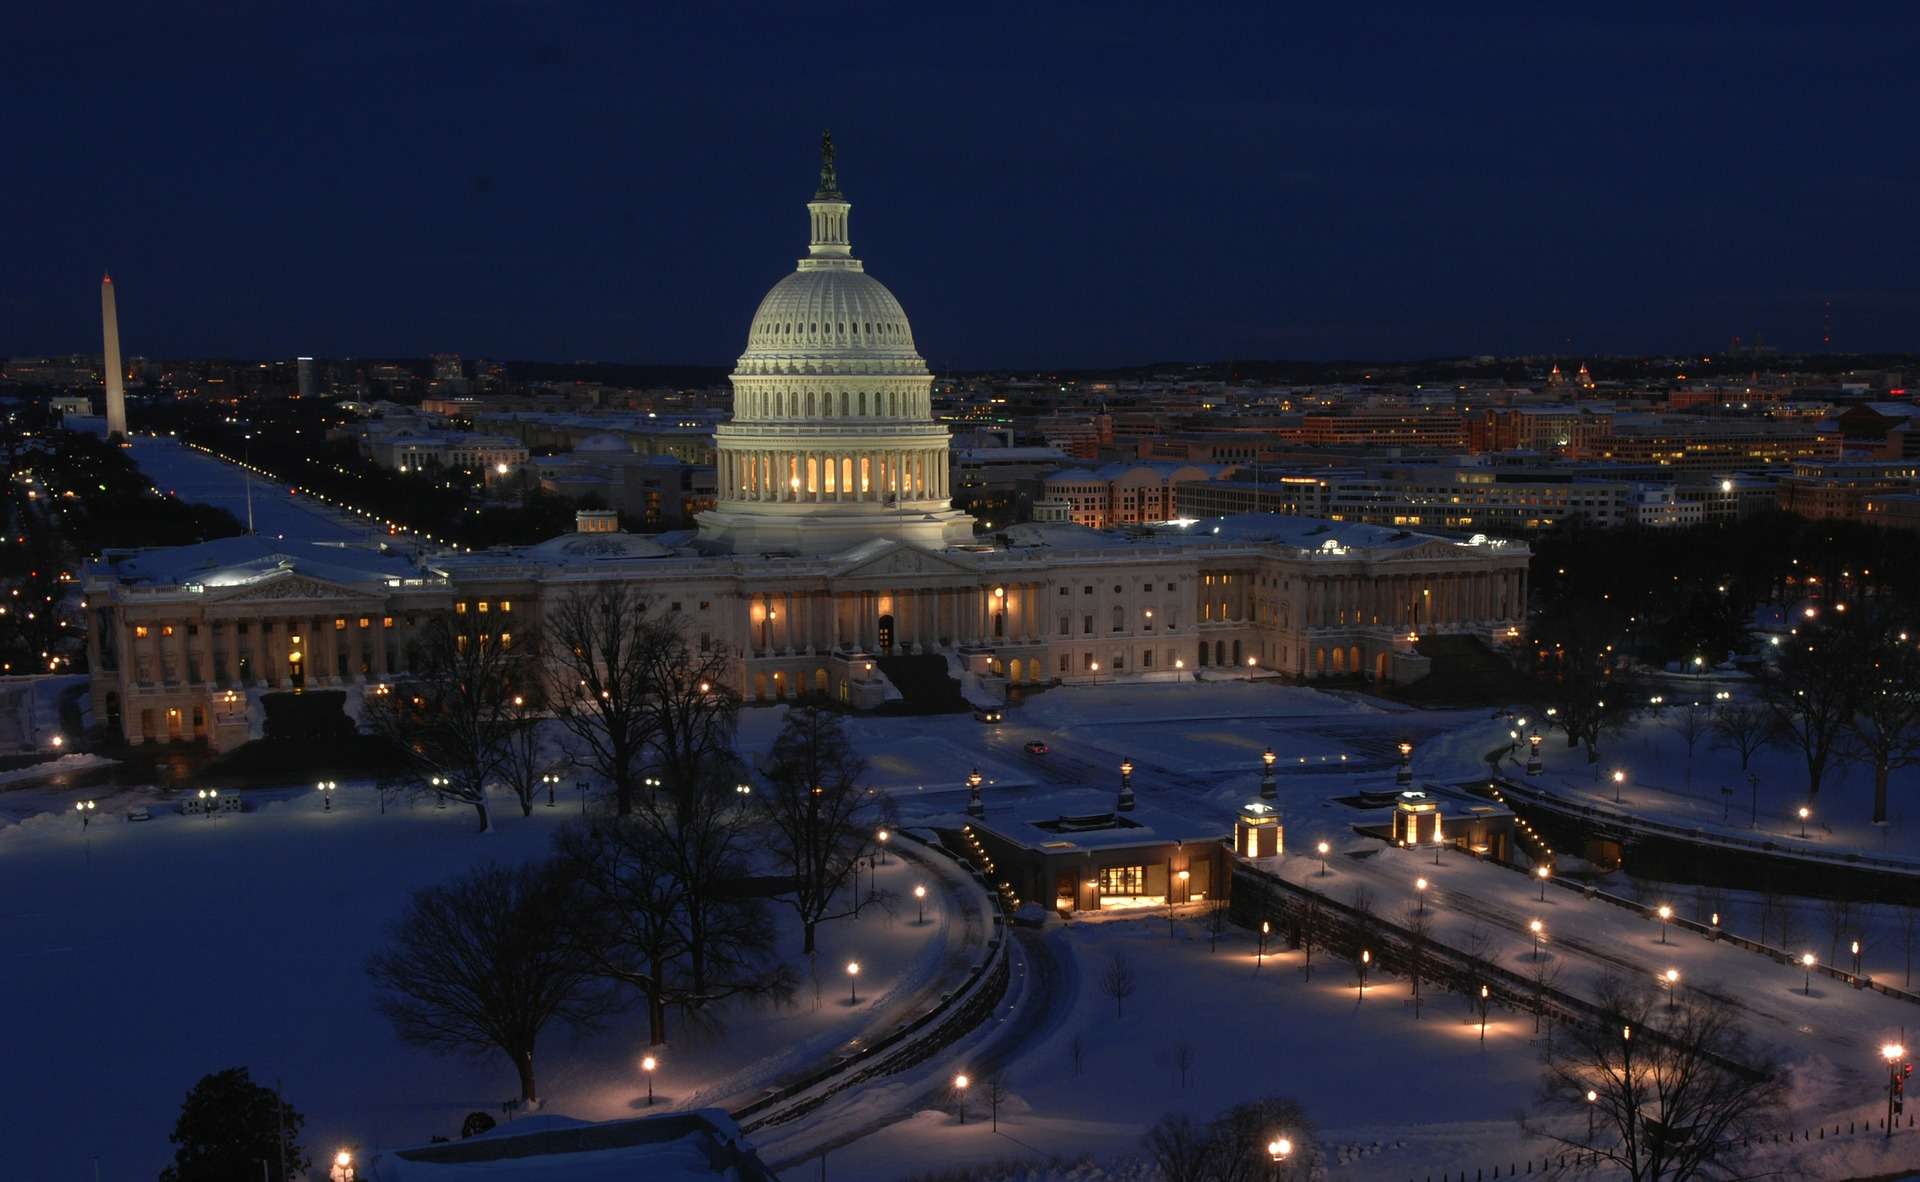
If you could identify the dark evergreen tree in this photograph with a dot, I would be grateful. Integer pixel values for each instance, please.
(229, 1126)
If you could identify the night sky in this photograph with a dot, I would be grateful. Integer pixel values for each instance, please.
(1040, 184)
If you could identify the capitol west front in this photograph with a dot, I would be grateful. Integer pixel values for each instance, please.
(833, 553)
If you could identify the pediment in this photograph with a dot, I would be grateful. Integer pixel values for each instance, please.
(1442, 549)
(286, 584)
(902, 559)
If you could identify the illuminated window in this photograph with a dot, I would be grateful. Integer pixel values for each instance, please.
(483, 607)
(460, 609)
(364, 621)
(1123, 880)
(140, 631)
(386, 621)
(506, 640)
(506, 605)
(166, 629)
(294, 639)
(339, 623)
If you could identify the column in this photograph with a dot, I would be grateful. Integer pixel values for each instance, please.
(230, 664)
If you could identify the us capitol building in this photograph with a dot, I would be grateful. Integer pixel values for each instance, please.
(833, 557)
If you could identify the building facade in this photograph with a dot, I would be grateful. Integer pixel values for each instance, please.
(833, 548)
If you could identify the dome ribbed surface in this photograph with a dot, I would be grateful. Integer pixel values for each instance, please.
(831, 312)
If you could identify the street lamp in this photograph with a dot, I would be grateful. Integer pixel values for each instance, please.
(342, 1170)
(1806, 962)
(1126, 773)
(920, 897)
(552, 781)
(1805, 812)
(1266, 929)
(1366, 959)
(1539, 931)
(1592, 1096)
(1404, 775)
(209, 800)
(1543, 873)
(1619, 778)
(1278, 1150)
(647, 1064)
(581, 784)
(1483, 1015)
(326, 794)
(1420, 889)
(1323, 847)
(85, 809)
(1267, 760)
(883, 837)
(1893, 1052)
(1856, 958)
(1533, 754)
(1672, 978)
(960, 1083)
(1665, 913)
(974, 806)
(853, 982)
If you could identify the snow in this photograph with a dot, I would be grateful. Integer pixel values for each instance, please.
(155, 953)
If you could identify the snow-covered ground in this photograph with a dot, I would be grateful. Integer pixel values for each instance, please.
(1711, 791)
(141, 956)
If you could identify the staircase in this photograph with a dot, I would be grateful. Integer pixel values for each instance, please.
(924, 686)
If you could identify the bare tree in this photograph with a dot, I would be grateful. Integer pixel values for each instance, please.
(1883, 732)
(600, 643)
(817, 812)
(1183, 1061)
(1544, 976)
(1841, 925)
(480, 963)
(1241, 1134)
(997, 1090)
(693, 711)
(1418, 925)
(627, 924)
(451, 717)
(524, 757)
(1747, 727)
(1118, 981)
(1811, 695)
(1673, 1103)
(1180, 1148)
(1691, 722)
(1309, 928)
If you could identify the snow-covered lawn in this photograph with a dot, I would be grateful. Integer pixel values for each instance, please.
(1712, 792)
(141, 956)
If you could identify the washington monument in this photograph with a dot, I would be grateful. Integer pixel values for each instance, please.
(116, 374)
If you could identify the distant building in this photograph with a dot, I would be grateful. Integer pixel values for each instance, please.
(1124, 494)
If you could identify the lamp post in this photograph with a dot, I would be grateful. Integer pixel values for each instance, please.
(1126, 785)
(960, 1083)
(884, 837)
(920, 897)
(1267, 789)
(647, 1064)
(1543, 873)
(1805, 812)
(342, 1170)
(1404, 774)
(1893, 1052)
(1539, 931)
(1322, 848)
(552, 781)
(1856, 958)
(1533, 754)
(326, 794)
(1619, 778)
(1665, 913)
(1366, 960)
(1420, 893)
(1670, 978)
(581, 784)
(439, 797)
(1483, 1015)
(1266, 929)
(1806, 963)
(85, 809)
(975, 808)
(209, 800)
(853, 982)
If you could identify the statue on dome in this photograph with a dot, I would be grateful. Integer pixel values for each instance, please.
(829, 180)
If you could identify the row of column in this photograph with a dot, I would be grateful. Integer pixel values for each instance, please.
(213, 656)
(832, 477)
(1437, 600)
(817, 621)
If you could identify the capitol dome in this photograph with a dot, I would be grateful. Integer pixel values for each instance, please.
(832, 441)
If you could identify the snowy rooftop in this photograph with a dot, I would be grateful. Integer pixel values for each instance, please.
(1070, 821)
(228, 562)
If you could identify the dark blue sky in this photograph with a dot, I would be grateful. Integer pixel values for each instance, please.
(1039, 183)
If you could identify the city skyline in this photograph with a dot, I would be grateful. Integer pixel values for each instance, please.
(1109, 192)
